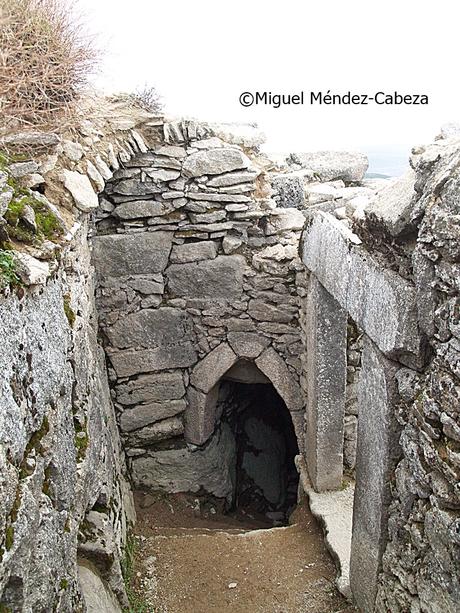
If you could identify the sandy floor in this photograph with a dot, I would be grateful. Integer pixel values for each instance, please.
(198, 561)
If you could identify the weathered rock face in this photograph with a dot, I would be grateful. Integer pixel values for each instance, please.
(421, 561)
(60, 452)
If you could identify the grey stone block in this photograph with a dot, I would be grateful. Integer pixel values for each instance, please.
(247, 345)
(161, 327)
(218, 278)
(380, 301)
(142, 208)
(145, 414)
(200, 416)
(130, 362)
(151, 388)
(211, 368)
(193, 252)
(215, 162)
(326, 362)
(332, 165)
(274, 367)
(378, 452)
(131, 254)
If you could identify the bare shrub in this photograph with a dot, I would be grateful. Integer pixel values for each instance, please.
(45, 61)
(146, 98)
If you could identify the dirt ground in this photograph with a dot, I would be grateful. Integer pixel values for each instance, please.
(192, 559)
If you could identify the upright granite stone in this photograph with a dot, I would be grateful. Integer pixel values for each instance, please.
(378, 452)
(131, 254)
(200, 416)
(326, 363)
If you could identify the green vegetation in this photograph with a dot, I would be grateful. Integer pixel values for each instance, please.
(69, 312)
(81, 439)
(136, 603)
(48, 225)
(46, 487)
(8, 274)
(64, 584)
(9, 537)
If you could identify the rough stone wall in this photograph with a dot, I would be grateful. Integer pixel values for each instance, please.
(397, 275)
(64, 491)
(65, 497)
(422, 559)
(193, 257)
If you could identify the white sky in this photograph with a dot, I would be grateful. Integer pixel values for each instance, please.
(202, 54)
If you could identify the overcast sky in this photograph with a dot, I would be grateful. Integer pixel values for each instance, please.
(202, 54)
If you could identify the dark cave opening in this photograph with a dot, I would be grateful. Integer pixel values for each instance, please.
(266, 479)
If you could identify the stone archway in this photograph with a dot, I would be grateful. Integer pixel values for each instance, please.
(202, 394)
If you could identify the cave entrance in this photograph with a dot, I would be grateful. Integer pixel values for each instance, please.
(266, 478)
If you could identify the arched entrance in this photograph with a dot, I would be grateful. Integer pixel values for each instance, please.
(266, 479)
(246, 399)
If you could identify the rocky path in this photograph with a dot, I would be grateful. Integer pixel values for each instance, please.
(202, 562)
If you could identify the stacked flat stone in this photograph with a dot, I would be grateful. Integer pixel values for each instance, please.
(190, 251)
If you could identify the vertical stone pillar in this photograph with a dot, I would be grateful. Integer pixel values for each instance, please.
(378, 452)
(326, 362)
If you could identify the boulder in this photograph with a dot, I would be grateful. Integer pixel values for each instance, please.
(392, 206)
(30, 270)
(97, 595)
(215, 162)
(330, 165)
(289, 190)
(285, 220)
(184, 470)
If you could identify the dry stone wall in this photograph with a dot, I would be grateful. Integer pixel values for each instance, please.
(196, 269)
